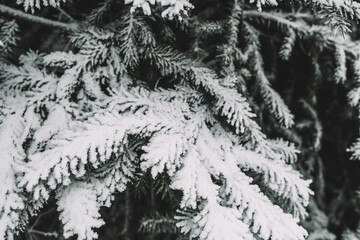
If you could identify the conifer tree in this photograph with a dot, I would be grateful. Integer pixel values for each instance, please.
(168, 119)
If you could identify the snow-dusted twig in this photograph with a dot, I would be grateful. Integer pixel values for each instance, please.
(40, 20)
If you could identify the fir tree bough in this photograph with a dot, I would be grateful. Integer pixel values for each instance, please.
(168, 97)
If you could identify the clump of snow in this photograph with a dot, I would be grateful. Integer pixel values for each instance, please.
(173, 7)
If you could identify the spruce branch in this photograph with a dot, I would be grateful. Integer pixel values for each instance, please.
(36, 19)
(94, 121)
(279, 19)
(301, 29)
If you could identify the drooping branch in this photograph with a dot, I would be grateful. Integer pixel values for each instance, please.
(35, 19)
(282, 21)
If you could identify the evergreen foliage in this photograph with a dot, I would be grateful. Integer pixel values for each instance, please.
(167, 98)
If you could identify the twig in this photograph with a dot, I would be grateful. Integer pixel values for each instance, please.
(242, 6)
(125, 230)
(45, 234)
(40, 216)
(40, 20)
(66, 14)
(317, 124)
(31, 230)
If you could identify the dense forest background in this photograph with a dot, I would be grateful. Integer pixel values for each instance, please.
(304, 70)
